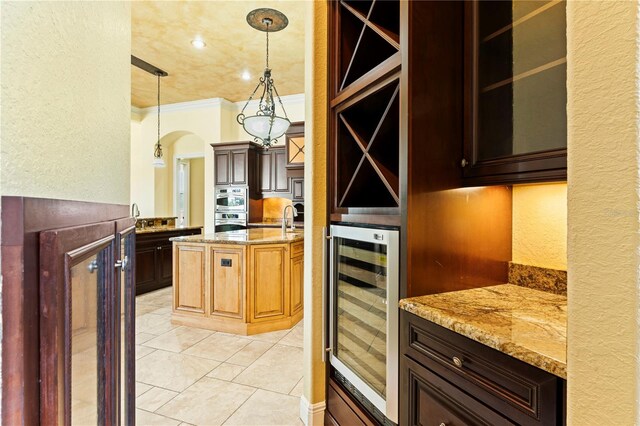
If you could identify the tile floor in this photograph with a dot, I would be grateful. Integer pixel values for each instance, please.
(191, 376)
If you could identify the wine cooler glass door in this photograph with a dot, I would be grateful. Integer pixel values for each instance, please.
(364, 312)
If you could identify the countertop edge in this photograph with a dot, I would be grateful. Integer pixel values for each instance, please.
(523, 354)
(159, 229)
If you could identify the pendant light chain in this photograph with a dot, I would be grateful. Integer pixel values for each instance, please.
(158, 150)
(267, 43)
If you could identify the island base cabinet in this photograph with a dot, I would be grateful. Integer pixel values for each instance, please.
(227, 273)
(240, 289)
(269, 282)
(189, 289)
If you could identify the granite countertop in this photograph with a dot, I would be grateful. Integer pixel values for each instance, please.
(154, 229)
(527, 324)
(244, 237)
(272, 224)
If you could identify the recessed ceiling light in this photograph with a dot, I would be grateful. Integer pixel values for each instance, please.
(246, 75)
(198, 43)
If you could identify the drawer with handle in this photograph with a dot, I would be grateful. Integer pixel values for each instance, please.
(526, 394)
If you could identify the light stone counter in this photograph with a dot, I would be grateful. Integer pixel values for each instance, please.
(245, 237)
(527, 324)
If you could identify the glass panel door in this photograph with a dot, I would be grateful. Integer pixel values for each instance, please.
(361, 309)
(87, 389)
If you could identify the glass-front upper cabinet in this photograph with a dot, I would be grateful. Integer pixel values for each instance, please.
(515, 100)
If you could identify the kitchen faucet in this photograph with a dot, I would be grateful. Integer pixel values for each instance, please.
(135, 212)
(294, 213)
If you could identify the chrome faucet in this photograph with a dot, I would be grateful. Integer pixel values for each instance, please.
(294, 213)
(135, 211)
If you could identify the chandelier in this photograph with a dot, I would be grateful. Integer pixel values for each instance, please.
(265, 125)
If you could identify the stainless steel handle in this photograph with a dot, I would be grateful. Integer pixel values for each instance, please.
(378, 237)
(457, 361)
(93, 266)
(122, 263)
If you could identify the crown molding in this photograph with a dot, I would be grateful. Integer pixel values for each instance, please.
(212, 103)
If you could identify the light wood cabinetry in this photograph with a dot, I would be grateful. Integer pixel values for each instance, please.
(227, 274)
(189, 268)
(269, 282)
(242, 289)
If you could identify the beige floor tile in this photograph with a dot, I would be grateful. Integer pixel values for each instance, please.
(144, 337)
(247, 355)
(172, 371)
(267, 408)
(165, 310)
(145, 418)
(293, 338)
(273, 336)
(298, 389)
(218, 346)
(142, 309)
(278, 370)
(142, 388)
(154, 324)
(154, 398)
(142, 351)
(226, 371)
(208, 402)
(178, 339)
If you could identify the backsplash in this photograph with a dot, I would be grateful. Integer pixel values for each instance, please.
(149, 222)
(545, 279)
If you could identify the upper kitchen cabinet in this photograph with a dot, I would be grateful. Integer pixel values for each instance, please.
(236, 163)
(515, 94)
(364, 143)
(294, 146)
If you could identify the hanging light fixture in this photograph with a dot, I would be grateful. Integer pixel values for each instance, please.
(265, 125)
(158, 161)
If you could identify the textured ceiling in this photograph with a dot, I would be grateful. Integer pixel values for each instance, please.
(162, 32)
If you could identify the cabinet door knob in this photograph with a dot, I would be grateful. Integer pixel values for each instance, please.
(464, 162)
(457, 361)
(158, 248)
(93, 266)
(443, 424)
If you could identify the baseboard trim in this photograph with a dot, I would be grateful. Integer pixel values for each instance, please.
(312, 414)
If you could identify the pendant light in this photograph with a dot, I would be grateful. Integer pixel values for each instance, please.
(265, 125)
(158, 161)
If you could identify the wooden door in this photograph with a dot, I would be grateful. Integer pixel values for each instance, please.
(189, 285)
(227, 282)
(239, 167)
(269, 282)
(222, 167)
(80, 323)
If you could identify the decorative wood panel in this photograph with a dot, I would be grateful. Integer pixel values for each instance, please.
(269, 282)
(281, 181)
(189, 280)
(297, 284)
(239, 164)
(227, 282)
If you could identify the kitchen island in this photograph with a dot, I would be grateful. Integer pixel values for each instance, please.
(242, 282)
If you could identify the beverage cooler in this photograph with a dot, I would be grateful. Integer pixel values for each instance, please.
(363, 309)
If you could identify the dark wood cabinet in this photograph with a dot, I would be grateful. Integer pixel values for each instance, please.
(154, 259)
(448, 378)
(364, 142)
(297, 189)
(515, 92)
(236, 163)
(274, 180)
(294, 145)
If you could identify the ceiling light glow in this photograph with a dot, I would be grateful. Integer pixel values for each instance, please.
(246, 75)
(198, 43)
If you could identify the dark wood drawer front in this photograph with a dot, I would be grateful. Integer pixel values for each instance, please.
(434, 402)
(524, 393)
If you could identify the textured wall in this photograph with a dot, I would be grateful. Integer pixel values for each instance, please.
(66, 100)
(603, 201)
(540, 225)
